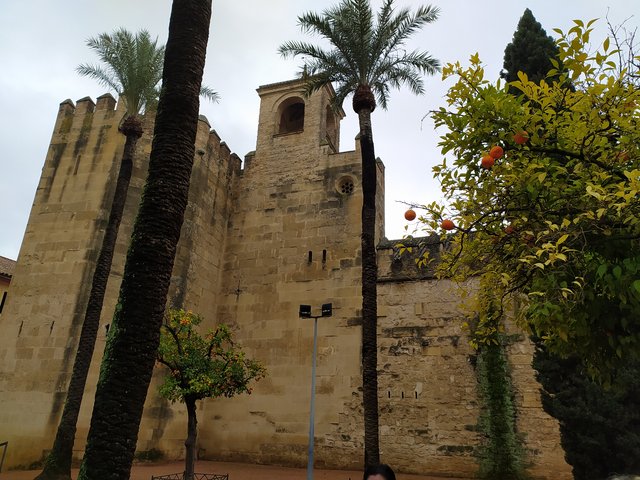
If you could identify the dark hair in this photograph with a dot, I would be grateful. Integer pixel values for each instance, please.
(382, 469)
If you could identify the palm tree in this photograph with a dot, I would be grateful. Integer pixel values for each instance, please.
(133, 339)
(133, 68)
(367, 58)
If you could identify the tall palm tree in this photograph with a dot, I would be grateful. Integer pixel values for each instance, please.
(133, 339)
(367, 59)
(132, 66)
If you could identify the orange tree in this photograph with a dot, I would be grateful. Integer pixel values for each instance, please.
(208, 366)
(554, 222)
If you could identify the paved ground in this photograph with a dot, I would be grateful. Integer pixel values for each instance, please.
(236, 471)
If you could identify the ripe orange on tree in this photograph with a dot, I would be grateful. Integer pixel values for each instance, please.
(496, 152)
(521, 137)
(410, 215)
(447, 224)
(487, 162)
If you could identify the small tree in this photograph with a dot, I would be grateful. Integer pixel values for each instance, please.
(208, 366)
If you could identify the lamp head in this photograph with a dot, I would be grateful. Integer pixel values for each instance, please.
(305, 311)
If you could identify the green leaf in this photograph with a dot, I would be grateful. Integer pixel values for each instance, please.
(617, 271)
(602, 269)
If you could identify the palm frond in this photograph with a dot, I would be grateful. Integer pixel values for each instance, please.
(103, 77)
(331, 28)
(366, 49)
(132, 66)
(209, 94)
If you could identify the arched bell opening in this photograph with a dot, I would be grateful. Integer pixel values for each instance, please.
(291, 116)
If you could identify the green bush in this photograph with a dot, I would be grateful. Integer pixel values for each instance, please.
(599, 428)
(152, 455)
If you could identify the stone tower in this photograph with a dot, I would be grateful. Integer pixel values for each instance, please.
(259, 239)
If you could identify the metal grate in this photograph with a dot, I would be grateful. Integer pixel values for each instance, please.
(196, 476)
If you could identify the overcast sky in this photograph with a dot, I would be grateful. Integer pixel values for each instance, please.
(41, 43)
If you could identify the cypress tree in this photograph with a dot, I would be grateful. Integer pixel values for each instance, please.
(530, 51)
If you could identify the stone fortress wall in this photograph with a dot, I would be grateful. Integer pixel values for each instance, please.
(256, 243)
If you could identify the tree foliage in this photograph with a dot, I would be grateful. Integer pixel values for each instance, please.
(501, 454)
(208, 366)
(530, 51)
(131, 66)
(366, 50)
(555, 223)
(600, 428)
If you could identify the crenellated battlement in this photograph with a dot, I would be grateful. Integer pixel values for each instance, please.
(86, 105)
(107, 112)
(106, 102)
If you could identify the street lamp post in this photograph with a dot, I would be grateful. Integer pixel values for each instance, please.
(305, 312)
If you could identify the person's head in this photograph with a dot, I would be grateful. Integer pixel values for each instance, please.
(379, 472)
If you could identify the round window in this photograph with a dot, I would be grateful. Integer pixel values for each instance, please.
(346, 185)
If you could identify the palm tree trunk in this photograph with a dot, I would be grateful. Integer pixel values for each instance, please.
(369, 292)
(57, 465)
(131, 349)
(190, 442)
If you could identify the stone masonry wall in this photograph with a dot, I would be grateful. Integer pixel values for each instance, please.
(294, 239)
(428, 384)
(53, 273)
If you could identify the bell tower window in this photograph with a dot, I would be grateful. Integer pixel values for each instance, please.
(291, 115)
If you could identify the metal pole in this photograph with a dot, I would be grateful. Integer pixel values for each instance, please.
(4, 452)
(313, 400)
